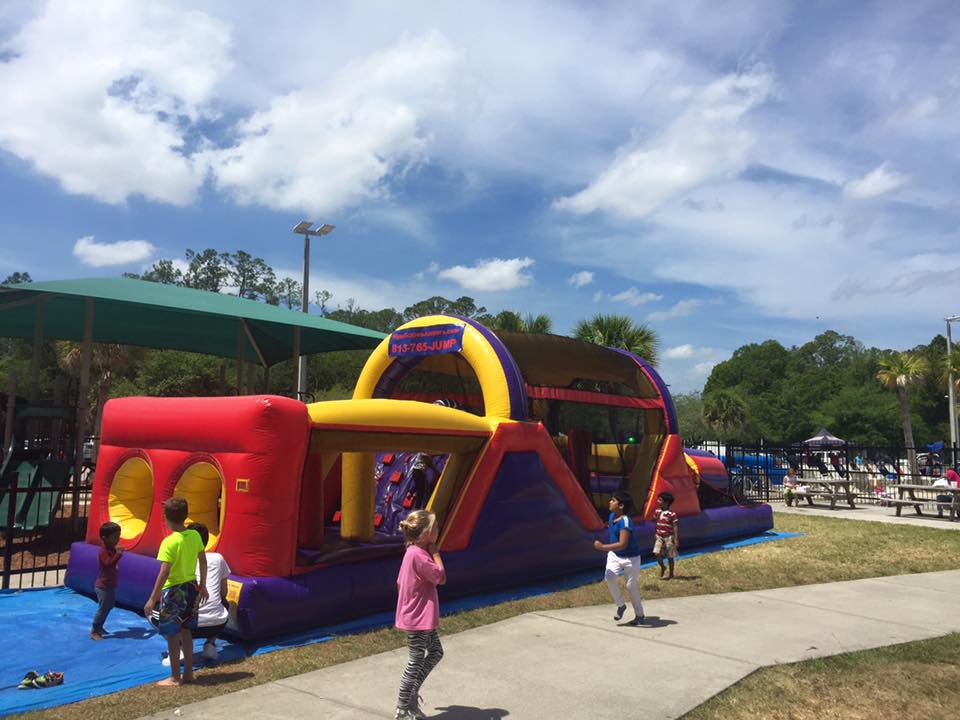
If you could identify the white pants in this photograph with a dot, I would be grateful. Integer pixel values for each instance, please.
(629, 568)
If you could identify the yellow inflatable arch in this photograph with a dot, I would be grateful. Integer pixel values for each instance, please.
(503, 388)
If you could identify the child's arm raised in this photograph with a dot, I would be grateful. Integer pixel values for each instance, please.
(157, 586)
(434, 551)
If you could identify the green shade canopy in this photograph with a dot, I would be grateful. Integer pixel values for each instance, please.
(135, 312)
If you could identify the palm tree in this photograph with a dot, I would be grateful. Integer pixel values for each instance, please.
(537, 324)
(898, 371)
(109, 360)
(951, 366)
(619, 331)
(725, 412)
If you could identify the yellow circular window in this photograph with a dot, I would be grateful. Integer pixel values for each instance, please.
(202, 486)
(131, 497)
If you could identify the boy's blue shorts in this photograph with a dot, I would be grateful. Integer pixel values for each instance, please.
(177, 609)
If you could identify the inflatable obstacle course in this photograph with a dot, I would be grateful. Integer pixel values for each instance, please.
(528, 435)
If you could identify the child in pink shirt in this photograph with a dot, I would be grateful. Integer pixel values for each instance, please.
(418, 608)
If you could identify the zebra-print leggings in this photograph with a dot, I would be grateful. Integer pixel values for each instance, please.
(425, 652)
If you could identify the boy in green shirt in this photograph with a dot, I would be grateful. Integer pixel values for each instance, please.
(176, 589)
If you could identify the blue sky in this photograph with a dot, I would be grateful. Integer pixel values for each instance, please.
(727, 172)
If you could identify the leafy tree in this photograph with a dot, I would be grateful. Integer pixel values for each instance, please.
(619, 331)
(164, 272)
(290, 293)
(693, 426)
(175, 373)
(109, 361)
(207, 270)
(507, 320)
(17, 278)
(321, 298)
(385, 320)
(898, 371)
(726, 412)
(464, 306)
(252, 277)
(537, 323)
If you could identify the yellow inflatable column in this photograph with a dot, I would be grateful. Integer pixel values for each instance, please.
(356, 521)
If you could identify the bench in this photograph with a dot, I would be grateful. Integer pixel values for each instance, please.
(900, 503)
(832, 494)
(952, 505)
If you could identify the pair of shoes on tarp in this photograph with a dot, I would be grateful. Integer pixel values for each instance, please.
(33, 679)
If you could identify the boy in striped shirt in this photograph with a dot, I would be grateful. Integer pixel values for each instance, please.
(668, 538)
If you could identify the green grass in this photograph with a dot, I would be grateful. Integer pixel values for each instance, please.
(831, 550)
(913, 680)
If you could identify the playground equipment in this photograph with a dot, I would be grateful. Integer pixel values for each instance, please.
(532, 434)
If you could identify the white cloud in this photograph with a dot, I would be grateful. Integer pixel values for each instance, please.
(839, 272)
(323, 148)
(687, 351)
(102, 96)
(125, 252)
(680, 351)
(598, 296)
(875, 183)
(432, 269)
(702, 369)
(632, 296)
(681, 309)
(579, 279)
(707, 141)
(493, 274)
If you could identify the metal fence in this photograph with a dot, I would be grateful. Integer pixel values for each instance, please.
(757, 470)
(37, 527)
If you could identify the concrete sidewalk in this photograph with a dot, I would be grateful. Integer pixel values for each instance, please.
(578, 663)
(872, 513)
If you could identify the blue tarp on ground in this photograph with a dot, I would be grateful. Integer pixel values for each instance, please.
(48, 629)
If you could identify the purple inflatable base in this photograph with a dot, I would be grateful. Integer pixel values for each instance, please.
(272, 606)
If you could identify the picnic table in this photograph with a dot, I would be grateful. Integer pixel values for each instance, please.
(911, 491)
(829, 488)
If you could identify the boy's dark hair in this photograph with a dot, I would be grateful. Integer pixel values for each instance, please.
(175, 509)
(201, 531)
(623, 497)
(667, 498)
(108, 529)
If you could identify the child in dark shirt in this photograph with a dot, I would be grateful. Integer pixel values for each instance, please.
(106, 584)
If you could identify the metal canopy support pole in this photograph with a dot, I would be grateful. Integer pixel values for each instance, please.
(37, 346)
(253, 342)
(240, 350)
(86, 353)
(952, 397)
(296, 362)
(304, 304)
(11, 410)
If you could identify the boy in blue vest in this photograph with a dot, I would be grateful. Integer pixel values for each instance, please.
(623, 557)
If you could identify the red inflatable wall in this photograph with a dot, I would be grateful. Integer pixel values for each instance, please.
(257, 443)
(513, 437)
(673, 476)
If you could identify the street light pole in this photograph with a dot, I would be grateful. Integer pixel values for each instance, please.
(951, 394)
(305, 228)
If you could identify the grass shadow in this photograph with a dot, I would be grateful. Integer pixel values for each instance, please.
(683, 578)
(211, 679)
